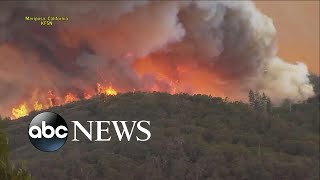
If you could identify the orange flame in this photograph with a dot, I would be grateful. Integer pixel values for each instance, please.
(37, 106)
(70, 98)
(51, 98)
(110, 91)
(87, 95)
(106, 90)
(54, 100)
(20, 111)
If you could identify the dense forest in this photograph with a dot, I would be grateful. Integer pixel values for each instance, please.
(193, 137)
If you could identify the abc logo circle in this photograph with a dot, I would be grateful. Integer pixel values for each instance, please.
(48, 131)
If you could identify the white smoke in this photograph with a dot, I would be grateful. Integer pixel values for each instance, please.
(283, 80)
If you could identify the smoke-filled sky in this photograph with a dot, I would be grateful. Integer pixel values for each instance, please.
(211, 47)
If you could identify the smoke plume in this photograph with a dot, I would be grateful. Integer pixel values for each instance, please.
(217, 47)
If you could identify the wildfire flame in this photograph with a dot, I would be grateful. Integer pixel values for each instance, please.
(110, 91)
(20, 111)
(87, 95)
(53, 100)
(70, 97)
(171, 83)
(106, 90)
(37, 106)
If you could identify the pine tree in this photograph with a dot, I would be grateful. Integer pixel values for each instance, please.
(269, 105)
(257, 102)
(252, 98)
(264, 100)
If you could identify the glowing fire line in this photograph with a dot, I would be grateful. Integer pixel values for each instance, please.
(23, 110)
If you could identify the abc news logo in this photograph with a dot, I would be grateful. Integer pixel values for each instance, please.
(48, 131)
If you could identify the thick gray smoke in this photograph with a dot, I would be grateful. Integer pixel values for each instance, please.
(225, 48)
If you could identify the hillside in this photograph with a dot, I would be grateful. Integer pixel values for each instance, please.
(193, 137)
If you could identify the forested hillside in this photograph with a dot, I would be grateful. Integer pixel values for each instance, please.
(193, 137)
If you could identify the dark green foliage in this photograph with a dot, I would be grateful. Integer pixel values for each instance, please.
(259, 102)
(252, 99)
(193, 137)
(315, 81)
(7, 170)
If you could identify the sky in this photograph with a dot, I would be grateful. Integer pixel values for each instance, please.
(297, 23)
